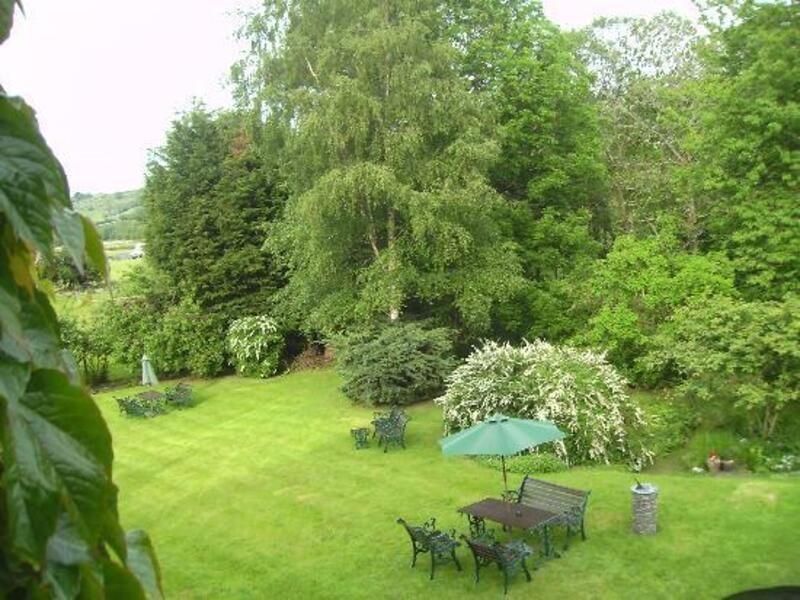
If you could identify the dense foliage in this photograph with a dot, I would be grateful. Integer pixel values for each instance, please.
(256, 345)
(387, 154)
(575, 389)
(90, 346)
(396, 364)
(749, 154)
(60, 534)
(62, 271)
(469, 165)
(745, 354)
(179, 339)
(210, 194)
(636, 287)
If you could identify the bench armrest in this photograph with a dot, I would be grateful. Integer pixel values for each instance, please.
(510, 496)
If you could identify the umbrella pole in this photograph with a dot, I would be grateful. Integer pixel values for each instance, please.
(505, 478)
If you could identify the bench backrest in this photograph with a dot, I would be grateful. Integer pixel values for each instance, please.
(549, 496)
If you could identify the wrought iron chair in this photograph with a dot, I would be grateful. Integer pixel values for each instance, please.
(426, 538)
(360, 437)
(390, 428)
(509, 557)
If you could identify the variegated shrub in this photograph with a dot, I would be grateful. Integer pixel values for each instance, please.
(256, 345)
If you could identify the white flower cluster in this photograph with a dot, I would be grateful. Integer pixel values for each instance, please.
(255, 344)
(575, 389)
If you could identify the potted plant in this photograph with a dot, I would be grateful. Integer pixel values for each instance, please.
(713, 462)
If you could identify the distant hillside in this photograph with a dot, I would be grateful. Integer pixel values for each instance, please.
(118, 216)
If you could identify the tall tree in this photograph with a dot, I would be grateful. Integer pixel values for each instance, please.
(538, 92)
(387, 155)
(210, 194)
(531, 83)
(645, 73)
(748, 147)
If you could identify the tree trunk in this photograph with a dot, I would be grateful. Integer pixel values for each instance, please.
(394, 310)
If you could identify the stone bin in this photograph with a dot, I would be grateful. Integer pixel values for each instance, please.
(645, 508)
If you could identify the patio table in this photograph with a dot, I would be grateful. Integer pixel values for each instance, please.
(513, 514)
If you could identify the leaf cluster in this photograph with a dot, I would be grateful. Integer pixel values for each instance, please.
(60, 534)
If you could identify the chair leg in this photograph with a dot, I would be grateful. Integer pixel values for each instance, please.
(414, 559)
(455, 558)
(583, 531)
(505, 582)
(525, 568)
(433, 564)
(477, 571)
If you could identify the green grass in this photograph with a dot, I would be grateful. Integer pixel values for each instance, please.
(257, 492)
(81, 304)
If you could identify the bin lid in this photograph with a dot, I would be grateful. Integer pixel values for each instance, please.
(645, 488)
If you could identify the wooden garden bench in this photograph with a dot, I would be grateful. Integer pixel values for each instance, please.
(567, 503)
(509, 557)
(426, 538)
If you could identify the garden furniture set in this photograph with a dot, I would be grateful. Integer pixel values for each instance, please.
(152, 403)
(536, 508)
(388, 426)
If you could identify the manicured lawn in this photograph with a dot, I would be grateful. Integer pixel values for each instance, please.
(257, 492)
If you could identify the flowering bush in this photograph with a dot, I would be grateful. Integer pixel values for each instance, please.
(256, 345)
(575, 389)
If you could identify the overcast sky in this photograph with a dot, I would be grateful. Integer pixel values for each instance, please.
(106, 77)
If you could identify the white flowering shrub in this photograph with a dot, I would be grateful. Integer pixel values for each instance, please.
(256, 345)
(575, 389)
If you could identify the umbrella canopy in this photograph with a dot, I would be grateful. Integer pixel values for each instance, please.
(148, 374)
(502, 436)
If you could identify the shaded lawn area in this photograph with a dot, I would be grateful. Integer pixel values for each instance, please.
(257, 492)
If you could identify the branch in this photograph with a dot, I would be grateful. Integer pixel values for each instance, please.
(311, 70)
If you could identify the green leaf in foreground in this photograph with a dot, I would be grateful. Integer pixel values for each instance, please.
(7, 17)
(57, 458)
(143, 564)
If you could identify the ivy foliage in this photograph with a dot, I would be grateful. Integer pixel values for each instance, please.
(60, 534)
(397, 364)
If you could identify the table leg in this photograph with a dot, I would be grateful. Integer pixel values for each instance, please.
(547, 541)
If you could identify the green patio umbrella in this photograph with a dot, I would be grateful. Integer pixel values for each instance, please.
(502, 436)
(148, 373)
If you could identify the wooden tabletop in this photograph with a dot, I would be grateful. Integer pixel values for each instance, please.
(511, 514)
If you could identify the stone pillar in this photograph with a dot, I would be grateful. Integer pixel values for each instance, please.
(645, 508)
